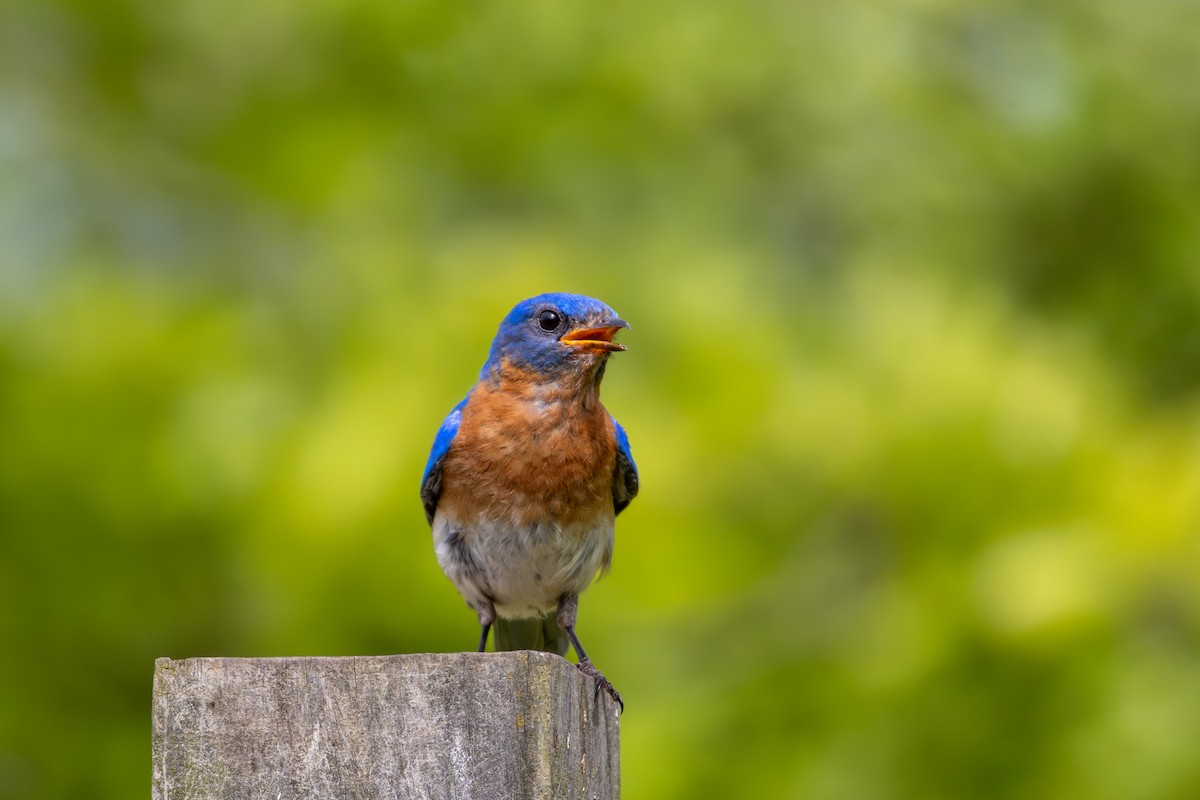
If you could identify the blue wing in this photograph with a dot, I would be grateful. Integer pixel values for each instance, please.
(625, 479)
(431, 481)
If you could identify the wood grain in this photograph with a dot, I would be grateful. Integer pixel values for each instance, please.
(463, 725)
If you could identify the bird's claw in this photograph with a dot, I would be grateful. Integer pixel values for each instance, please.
(588, 668)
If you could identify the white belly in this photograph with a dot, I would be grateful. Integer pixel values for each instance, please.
(522, 570)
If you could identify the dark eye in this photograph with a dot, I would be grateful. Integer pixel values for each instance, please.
(549, 320)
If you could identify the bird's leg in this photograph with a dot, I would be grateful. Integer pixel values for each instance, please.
(487, 615)
(568, 608)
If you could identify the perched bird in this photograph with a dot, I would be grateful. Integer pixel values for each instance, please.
(528, 474)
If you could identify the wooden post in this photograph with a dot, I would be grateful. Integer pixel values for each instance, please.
(483, 726)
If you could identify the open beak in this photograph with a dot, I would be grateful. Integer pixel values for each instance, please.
(598, 339)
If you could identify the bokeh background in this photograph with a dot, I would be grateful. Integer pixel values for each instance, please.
(913, 381)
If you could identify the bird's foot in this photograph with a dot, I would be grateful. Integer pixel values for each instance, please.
(588, 668)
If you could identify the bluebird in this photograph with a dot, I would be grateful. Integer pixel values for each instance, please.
(527, 475)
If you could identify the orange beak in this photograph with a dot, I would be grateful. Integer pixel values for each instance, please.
(598, 339)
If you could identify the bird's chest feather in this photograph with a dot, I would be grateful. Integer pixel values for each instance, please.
(531, 457)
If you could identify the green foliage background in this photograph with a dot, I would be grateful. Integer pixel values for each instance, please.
(913, 381)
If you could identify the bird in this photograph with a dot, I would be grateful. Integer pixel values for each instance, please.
(527, 475)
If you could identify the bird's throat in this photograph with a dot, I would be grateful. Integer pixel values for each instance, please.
(577, 386)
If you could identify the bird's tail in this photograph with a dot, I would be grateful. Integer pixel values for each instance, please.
(534, 633)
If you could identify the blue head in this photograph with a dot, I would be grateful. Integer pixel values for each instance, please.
(555, 335)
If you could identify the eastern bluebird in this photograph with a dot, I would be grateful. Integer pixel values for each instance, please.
(528, 474)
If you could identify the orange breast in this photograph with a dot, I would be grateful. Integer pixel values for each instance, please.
(530, 456)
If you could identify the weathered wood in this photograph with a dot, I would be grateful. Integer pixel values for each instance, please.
(462, 725)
